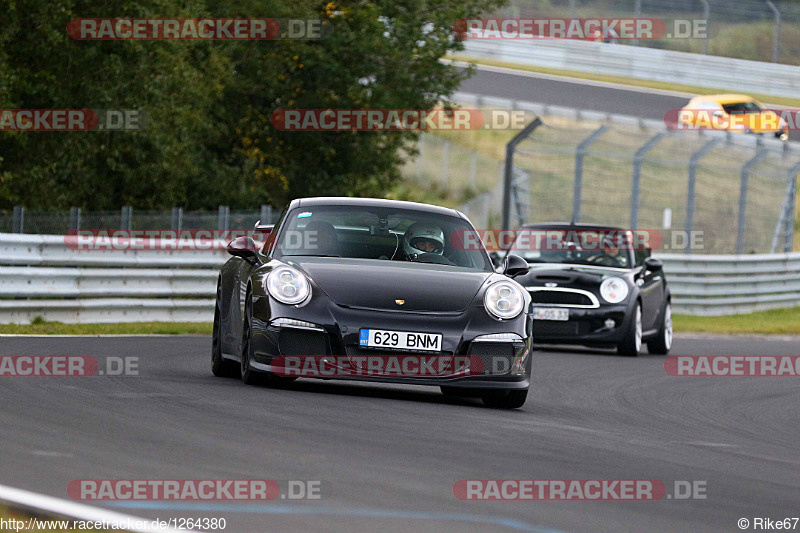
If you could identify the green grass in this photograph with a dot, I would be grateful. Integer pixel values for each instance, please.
(40, 327)
(636, 82)
(776, 321)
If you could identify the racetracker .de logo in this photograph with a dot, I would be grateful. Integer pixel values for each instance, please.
(179, 240)
(252, 29)
(47, 120)
(535, 240)
(67, 366)
(732, 365)
(174, 489)
(396, 119)
(559, 489)
(591, 29)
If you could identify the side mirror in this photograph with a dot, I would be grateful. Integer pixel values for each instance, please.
(514, 265)
(244, 247)
(653, 265)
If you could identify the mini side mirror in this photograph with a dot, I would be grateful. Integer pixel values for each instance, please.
(653, 265)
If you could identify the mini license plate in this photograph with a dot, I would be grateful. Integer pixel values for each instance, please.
(550, 313)
(402, 340)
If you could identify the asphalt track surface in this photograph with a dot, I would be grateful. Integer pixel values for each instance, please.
(577, 93)
(388, 456)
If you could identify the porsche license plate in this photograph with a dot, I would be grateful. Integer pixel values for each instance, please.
(402, 340)
(550, 313)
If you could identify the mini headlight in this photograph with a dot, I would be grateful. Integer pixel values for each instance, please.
(288, 286)
(614, 290)
(504, 300)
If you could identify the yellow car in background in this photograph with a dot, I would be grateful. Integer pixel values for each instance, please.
(736, 113)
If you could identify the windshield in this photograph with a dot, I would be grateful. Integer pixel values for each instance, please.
(741, 108)
(360, 232)
(597, 247)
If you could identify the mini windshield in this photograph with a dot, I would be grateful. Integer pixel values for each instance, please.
(597, 247)
(362, 232)
(741, 108)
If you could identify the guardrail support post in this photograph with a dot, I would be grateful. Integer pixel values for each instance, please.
(706, 16)
(18, 219)
(223, 217)
(177, 218)
(638, 158)
(740, 234)
(508, 171)
(75, 218)
(126, 218)
(693, 162)
(580, 152)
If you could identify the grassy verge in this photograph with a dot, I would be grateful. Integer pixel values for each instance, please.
(777, 100)
(777, 321)
(7, 514)
(131, 328)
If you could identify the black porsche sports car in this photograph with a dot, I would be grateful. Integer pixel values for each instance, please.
(371, 289)
(596, 286)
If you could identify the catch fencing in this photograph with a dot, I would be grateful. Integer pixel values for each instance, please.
(737, 192)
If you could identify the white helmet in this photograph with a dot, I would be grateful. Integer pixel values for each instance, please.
(420, 232)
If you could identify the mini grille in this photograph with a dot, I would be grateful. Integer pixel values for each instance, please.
(560, 297)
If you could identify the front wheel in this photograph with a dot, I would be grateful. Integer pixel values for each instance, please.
(505, 399)
(632, 343)
(220, 366)
(663, 341)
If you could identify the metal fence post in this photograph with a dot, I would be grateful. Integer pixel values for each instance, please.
(785, 225)
(18, 219)
(473, 169)
(638, 158)
(223, 217)
(177, 218)
(580, 152)
(126, 218)
(75, 218)
(637, 13)
(421, 156)
(706, 16)
(740, 234)
(508, 170)
(445, 162)
(776, 31)
(693, 162)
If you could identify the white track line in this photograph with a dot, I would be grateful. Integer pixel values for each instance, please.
(77, 511)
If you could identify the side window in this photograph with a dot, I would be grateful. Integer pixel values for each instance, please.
(640, 256)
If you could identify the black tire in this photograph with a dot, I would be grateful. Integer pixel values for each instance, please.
(662, 343)
(248, 374)
(631, 345)
(505, 399)
(220, 367)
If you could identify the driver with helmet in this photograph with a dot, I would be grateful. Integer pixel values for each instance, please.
(423, 238)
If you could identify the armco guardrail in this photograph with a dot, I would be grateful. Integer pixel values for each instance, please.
(738, 75)
(45, 278)
(732, 284)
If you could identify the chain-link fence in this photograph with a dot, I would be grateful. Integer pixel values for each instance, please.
(760, 30)
(128, 218)
(736, 197)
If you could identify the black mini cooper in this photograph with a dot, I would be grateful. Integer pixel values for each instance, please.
(594, 286)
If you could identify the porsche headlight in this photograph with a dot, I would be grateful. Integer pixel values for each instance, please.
(614, 290)
(288, 286)
(504, 300)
